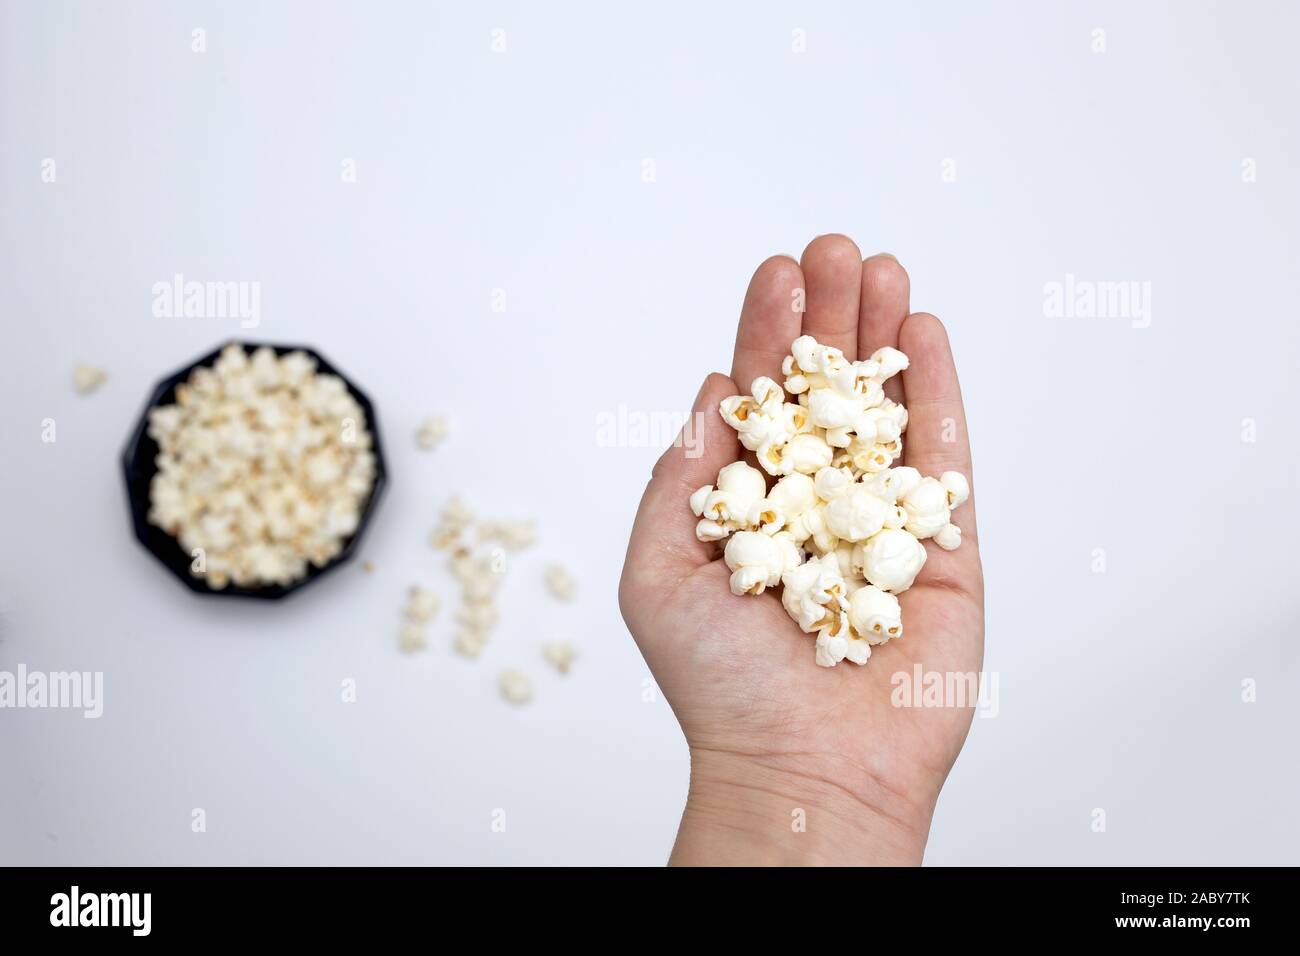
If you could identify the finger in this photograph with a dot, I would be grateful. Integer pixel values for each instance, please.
(663, 548)
(886, 291)
(832, 272)
(769, 321)
(936, 439)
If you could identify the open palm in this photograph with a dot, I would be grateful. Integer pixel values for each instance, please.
(756, 710)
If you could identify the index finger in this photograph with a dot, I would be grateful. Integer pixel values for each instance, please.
(769, 321)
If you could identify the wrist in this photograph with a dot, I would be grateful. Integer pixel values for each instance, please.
(753, 811)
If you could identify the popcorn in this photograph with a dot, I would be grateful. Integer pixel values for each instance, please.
(412, 637)
(469, 644)
(480, 578)
(792, 496)
(560, 655)
(894, 483)
(421, 604)
(87, 378)
(891, 362)
(958, 488)
(264, 465)
(948, 538)
(760, 417)
(840, 500)
(796, 383)
(831, 482)
(809, 453)
(515, 686)
(757, 561)
(885, 426)
(844, 560)
(739, 488)
(432, 431)
(456, 517)
(870, 458)
(927, 508)
(827, 408)
(811, 525)
(514, 535)
(856, 649)
(831, 649)
(875, 614)
(857, 514)
(891, 559)
(561, 583)
(709, 530)
(478, 618)
(897, 517)
(698, 499)
(766, 517)
(477, 557)
(814, 595)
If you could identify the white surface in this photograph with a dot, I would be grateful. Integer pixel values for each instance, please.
(522, 171)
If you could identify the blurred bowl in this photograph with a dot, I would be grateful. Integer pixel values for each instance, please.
(139, 466)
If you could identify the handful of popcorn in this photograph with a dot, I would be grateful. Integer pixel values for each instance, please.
(840, 530)
(264, 467)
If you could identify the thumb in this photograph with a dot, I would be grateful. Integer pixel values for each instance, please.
(663, 548)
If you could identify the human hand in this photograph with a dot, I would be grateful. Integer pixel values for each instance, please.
(771, 733)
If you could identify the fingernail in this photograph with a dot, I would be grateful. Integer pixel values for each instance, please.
(888, 255)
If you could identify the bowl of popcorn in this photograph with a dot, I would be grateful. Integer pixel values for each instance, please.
(254, 470)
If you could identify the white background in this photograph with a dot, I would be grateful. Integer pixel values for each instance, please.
(523, 171)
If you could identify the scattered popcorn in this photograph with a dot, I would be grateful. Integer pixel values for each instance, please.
(478, 618)
(264, 464)
(477, 553)
(561, 583)
(515, 686)
(87, 378)
(840, 531)
(480, 577)
(514, 535)
(477, 622)
(431, 432)
(560, 655)
(456, 518)
(412, 637)
(469, 643)
(479, 569)
(421, 604)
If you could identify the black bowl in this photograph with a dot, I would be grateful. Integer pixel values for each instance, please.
(139, 465)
